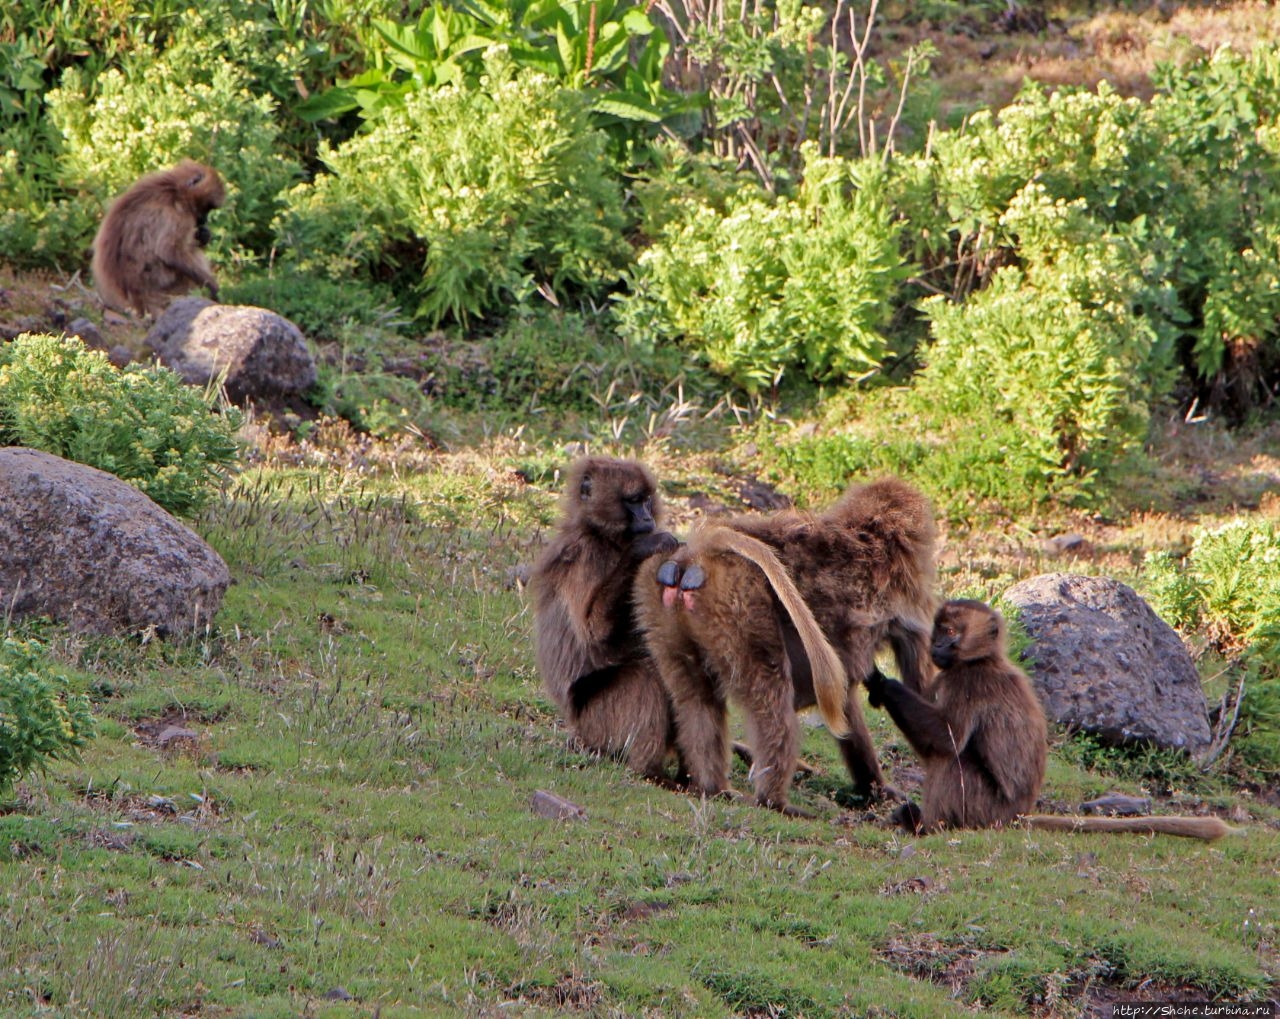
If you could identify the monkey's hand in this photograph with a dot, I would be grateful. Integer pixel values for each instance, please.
(656, 543)
(875, 688)
(213, 291)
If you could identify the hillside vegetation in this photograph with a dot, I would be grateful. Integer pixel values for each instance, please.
(767, 256)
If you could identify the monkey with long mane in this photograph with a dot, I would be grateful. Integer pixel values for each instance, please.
(589, 651)
(149, 248)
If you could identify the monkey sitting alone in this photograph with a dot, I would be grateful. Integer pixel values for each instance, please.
(589, 652)
(149, 247)
(983, 737)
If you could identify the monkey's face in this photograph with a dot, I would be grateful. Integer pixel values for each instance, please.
(965, 631)
(639, 507)
(946, 643)
(616, 499)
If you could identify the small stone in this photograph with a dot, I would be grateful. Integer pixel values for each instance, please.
(175, 732)
(1118, 804)
(556, 808)
(88, 333)
(1063, 543)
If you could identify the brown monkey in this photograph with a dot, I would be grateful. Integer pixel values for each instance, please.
(148, 248)
(722, 626)
(591, 656)
(983, 737)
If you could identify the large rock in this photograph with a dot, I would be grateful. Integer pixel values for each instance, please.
(1104, 662)
(87, 549)
(264, 355)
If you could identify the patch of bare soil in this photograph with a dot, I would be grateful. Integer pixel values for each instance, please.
(927, 958)
(570, 993)
(143, 808)
(1095, 998)
(984, 61)
(43, 301)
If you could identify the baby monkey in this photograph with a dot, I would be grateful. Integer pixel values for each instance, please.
(982, 737)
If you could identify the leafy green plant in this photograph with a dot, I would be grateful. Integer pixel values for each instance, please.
(609, 49)
(377, 402)
(773, 284)
(1181, 182)
(1053, 362)
(324, 309)
(1228, 588)
(41, 720)
(472, 199)
(144, 425)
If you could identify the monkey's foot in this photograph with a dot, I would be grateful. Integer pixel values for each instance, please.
(679, 784)
(884, 792)
(908, 817)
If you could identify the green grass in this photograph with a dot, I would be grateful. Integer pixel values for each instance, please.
(355, 813)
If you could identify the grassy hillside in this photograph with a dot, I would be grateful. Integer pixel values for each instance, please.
(328, 805)
(347, 811)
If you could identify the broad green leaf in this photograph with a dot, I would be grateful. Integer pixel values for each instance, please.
(628, 106)
(330, 103)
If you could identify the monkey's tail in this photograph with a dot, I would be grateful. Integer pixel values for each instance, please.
(1207, 828)
(830, 683)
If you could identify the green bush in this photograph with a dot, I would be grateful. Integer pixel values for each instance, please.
(376, 402)
(1053, 360)
(144, 425)
(474, 198)
(324, 309)
(550, 360)
(1184, 181)
(970, 470)
(41, 720)
(769, 285)
(1228, 588)
(610, 50)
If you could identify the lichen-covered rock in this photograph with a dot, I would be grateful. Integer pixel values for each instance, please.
(265, 356)
(85, 548)
(1104, 662)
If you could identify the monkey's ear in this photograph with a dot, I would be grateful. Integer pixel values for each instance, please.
(584, 490)
(195, 178)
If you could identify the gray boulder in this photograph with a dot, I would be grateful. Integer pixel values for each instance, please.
(264, 355)
(86, 549)
(1104, 662)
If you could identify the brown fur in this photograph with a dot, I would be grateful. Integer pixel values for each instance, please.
(865, 571)
(148, 249)
(983, 737)
(592, 660)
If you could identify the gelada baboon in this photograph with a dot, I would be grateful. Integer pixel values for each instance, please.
(721, 625)
(592, 659)
(983, 738)
(148, 249)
